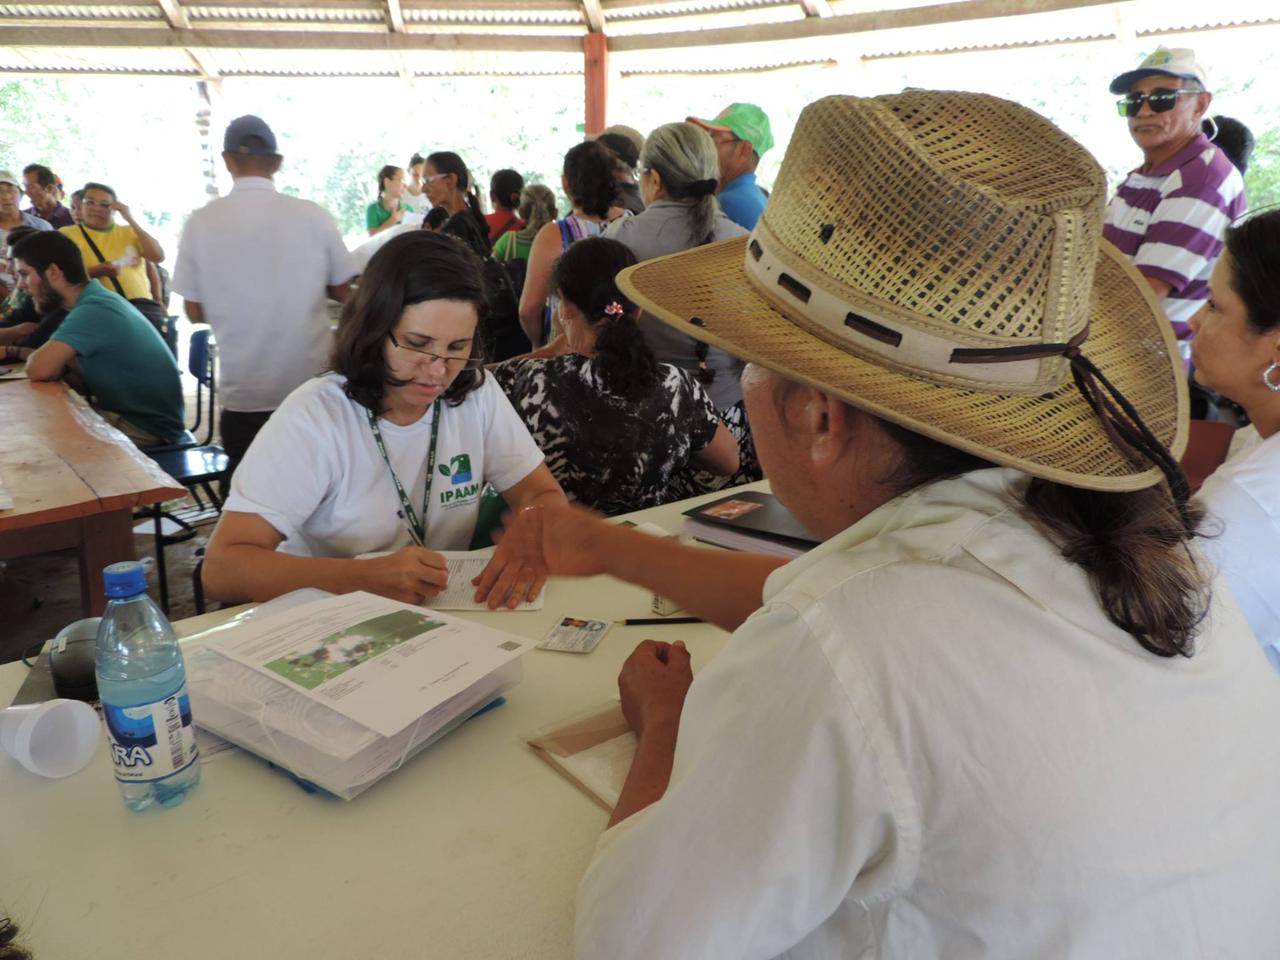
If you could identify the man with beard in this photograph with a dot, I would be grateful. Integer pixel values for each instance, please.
(104, 347)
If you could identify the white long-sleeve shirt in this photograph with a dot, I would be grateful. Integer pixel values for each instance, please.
(931, 743)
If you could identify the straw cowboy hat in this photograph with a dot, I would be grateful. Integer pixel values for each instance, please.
(937, 259)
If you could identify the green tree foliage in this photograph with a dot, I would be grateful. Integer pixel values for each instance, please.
(1262, 180)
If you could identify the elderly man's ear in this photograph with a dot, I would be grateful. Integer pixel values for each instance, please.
(832, 428)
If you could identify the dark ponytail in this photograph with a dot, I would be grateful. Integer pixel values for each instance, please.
(585, 276)
(448, 162)
(385, 174)
(505, 187)
(1133, 546)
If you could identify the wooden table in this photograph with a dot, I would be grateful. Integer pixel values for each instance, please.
(75, 481)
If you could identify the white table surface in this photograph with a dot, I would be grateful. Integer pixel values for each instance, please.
(472, 850)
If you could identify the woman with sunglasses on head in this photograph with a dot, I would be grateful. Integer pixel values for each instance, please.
(614, 424)
(1236, 352)
(679, 168)
(447, 184)
(388, 210)
(388, 453)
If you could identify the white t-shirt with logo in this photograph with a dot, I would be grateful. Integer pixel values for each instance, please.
(315, 474)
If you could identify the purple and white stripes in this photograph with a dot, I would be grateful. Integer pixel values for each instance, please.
(1171, 222)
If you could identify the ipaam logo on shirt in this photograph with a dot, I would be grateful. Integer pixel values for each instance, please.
(461, 488)
(458, 470)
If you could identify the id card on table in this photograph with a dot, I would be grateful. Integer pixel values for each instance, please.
(574, 635)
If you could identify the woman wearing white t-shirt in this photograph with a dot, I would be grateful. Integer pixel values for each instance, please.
(1237, 353)
(388, 453)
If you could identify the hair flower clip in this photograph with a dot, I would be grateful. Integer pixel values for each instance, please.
(613, 309)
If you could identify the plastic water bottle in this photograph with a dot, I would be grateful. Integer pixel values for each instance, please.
(142, 683)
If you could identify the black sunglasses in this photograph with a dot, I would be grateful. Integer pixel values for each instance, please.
(1160, 101)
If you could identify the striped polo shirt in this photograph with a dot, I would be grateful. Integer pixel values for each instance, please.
(1171, 223)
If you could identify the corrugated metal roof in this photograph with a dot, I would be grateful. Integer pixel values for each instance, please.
(569, 14)
(250, 15)
(631, 9)
(762, 15)
(85, 11)
(520, 26)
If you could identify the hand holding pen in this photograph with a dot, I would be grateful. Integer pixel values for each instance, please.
(411, 574)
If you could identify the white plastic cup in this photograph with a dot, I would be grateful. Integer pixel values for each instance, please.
(51, 739)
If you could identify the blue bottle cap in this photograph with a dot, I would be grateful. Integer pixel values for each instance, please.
(125, 579)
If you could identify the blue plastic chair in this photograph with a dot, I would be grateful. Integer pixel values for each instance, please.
(197, 466)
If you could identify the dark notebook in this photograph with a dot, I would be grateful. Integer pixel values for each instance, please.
(749, 514)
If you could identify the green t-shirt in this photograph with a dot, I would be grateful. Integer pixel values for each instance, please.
(375, 215)
(521, 240)
(125, 362)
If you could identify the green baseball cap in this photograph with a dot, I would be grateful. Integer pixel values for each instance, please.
(745, 121)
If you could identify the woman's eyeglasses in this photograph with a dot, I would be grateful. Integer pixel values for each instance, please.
(1161, 101)
(425, 356)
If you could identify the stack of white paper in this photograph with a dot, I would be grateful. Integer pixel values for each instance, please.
(342, 690)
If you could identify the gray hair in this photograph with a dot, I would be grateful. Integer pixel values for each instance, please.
(537, 206)
(684, 155)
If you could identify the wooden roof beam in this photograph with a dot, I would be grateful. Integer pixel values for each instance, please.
(204, 63)
(395, 16)
(594, 15)
(173, 12)
(937, 13)
(178, 20)
(227, 39)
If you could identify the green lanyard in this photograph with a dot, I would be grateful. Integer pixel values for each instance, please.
(417, 525)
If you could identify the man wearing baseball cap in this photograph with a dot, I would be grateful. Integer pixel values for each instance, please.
(1169, 214)
(742, 136)
(257, 265)
(10, 215)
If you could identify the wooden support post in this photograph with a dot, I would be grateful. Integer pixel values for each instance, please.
(596, 76)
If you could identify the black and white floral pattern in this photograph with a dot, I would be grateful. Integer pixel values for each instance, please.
(610, 453)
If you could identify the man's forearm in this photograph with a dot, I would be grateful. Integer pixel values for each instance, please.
(720, 586)
(148, 246)
(650, 771)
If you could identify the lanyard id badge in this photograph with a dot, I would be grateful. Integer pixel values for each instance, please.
(416, 523)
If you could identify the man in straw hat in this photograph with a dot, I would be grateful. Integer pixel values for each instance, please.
(986, 717)
(1170, 214)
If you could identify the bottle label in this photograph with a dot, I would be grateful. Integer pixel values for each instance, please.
(151, 741)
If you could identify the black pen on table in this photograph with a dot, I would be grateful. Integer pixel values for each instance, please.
(658, 621)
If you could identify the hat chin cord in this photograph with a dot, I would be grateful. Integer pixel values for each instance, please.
(1124, 426)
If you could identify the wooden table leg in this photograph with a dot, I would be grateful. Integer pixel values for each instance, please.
(104, 538)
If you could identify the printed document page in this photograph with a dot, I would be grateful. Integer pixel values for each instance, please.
(380, 662)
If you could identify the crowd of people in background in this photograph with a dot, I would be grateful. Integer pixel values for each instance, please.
(530, 358)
